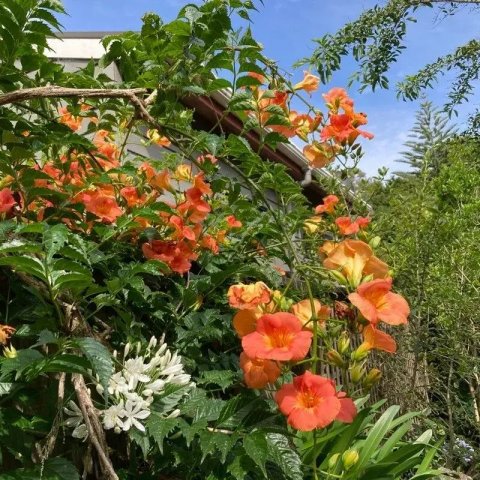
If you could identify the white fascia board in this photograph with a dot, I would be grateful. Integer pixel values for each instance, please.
(75, 48)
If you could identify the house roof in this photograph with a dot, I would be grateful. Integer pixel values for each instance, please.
(208, 110)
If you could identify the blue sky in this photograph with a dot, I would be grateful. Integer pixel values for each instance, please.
(286, 28)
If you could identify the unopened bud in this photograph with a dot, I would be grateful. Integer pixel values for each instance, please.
(343, 343)
(339, 277)
(361, 352)
(174, 414)
(373, 377)
(375, 242)
(356, 372)
(10, 352)
(350, 458)
(333, 460)
(367, 279)
(198, 303)
(336, 359)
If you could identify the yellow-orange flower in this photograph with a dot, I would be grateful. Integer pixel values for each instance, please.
(376, 339)
(6, 331)
(377, 303)
(328, 206)
(245, 321)
(354, 259)
(336, 99)
(243, 296)
(183, 172)
(309, 83)
(303, 311)
(312, 224)
(320, 154)
(154, 136)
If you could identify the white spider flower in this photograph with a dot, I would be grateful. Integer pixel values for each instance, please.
(134, 371)
(182, 379)
(137, 399)
(76, 421)
(112, 416)
(117, 384)
(133, 413)
(155, 387)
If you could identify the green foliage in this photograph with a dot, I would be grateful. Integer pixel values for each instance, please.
(430, 130)
(377, 38)
(92, 313)
(430, 228)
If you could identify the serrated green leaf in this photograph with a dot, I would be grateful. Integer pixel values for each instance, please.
(99, 357)
(257, 448)
(159, 428)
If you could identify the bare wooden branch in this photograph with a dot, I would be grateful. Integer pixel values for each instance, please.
(54, 91)
(95, 430)
(44, 452)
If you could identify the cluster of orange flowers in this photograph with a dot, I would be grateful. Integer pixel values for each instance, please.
(93, 190)
(355, 266)
(326, 136)
(276, 333)
(272, 340)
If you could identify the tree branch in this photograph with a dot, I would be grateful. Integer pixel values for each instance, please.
(54, 91)
(95, 430)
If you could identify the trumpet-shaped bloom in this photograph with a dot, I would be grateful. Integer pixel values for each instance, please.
(303, 311)
(379, 340)
(6, 200)
(347, 226)
(343, 128)
(133, 199)
(348, 410)
(309, 83)
(328, 206)
(6, 331)
(249, 296)
(155, 137)
(257, 373)
(353, 258)
(245, 321)
(320, 154)
(102, 203)
(278, 336)
(377, 303)
(177, 255)
(311, 402)
(336, 99)
(232, 222)
(72, 122)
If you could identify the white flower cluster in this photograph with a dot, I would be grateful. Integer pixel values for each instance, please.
(132, 389)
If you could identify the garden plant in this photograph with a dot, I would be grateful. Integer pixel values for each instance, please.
(161, 319)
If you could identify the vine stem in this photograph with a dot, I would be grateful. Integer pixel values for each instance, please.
(297, 261)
